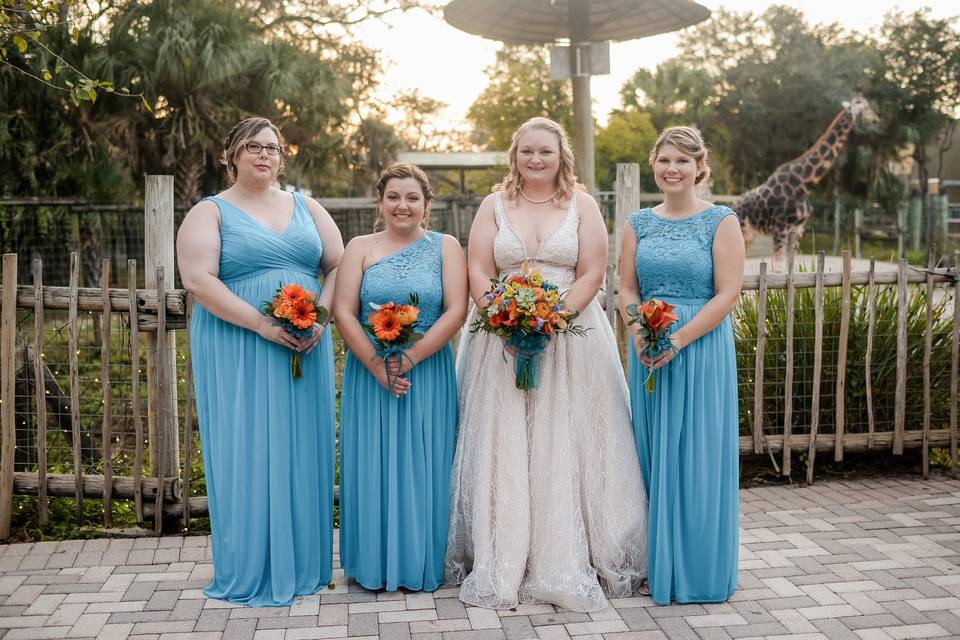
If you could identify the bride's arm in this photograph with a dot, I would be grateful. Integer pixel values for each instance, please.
(592, 257)
(481, 267)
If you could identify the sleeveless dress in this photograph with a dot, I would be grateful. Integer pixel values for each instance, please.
(396, 452)
(687, 430)
(547, 503)
(268, 440)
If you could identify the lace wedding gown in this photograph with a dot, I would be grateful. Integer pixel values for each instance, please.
(547, 500)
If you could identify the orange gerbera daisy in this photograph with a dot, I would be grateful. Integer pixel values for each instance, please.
(303, 313)
(386, 325)
(294, 293)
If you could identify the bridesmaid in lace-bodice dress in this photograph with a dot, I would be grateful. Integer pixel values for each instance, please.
(688, 253)
(397, 437)
(547, 502)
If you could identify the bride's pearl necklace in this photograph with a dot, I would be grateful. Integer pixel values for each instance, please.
(532, 201)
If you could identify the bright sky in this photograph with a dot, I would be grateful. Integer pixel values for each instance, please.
(423, 52)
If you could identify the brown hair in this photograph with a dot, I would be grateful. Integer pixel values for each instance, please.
(240, 134)
(567, 180)
(402, 170)
(689, 141)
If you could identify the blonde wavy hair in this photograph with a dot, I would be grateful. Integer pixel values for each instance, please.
(689, 141)
(567, 180)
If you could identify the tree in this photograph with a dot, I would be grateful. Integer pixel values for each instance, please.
(628, 137)
(31, 36)
(921, 63)
(520, 88)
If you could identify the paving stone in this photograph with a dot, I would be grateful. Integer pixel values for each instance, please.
(449, 608)
(362, 624)
(240, 629)
(518, 628)
(637, 619)
(213, 620)
(394, 631)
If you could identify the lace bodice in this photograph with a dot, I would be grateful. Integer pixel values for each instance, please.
(417, 268)
(558, 253)
(675, 257)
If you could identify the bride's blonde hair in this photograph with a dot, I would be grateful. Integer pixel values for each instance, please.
(567, 181)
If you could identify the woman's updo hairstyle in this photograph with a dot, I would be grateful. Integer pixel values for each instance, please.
(689, 141)
(401, 171)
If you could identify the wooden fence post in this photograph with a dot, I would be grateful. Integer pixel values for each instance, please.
(158, 251)
(954, 361)
(841, 387)
(788, 347)
(8, 369)
(39, 392)
(817, 366)
(761, 351)
(628, 201)
(868, 360)
(73, 332)
(900, 404)
(106, 432)
(927, 354)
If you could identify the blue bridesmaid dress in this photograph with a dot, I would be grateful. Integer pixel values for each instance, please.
(268, 440)
(687, 429)
(396, 453)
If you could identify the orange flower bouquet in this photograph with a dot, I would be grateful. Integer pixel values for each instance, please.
(655, 318)
(394, 329)
(296, 310)
(526, 311)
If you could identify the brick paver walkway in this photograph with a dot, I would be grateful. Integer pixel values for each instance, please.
(866, 560)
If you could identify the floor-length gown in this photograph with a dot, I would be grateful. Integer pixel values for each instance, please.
(268, 440)
(687, 428)
(396, 452)
(547, 502)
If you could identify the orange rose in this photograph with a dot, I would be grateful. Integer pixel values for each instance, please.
(407, 314)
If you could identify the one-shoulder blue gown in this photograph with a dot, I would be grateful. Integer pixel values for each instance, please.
(268, 440)
(396, 453)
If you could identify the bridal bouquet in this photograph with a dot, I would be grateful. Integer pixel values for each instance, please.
(393, 327)
(655, 318)
(296, 310)
(526, 311)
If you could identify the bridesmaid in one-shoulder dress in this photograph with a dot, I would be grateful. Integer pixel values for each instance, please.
(397, 443)
(689, 253)
(268, 440)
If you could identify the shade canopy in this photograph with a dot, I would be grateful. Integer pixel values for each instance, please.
(545, 21)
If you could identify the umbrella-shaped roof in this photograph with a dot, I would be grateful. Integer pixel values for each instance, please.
(540, 21)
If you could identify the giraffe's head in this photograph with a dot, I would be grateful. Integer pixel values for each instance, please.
(860, 108)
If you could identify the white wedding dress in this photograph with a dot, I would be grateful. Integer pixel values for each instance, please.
(547, 500)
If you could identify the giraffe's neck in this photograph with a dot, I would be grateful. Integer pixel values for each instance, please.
(817, 161)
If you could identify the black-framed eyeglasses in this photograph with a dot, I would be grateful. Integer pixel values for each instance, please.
(256, 147)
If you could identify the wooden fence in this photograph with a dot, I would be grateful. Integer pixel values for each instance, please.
(163, 456)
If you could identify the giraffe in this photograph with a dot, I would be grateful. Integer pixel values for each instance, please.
(781, 205)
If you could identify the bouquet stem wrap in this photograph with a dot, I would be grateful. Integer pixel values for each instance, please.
(397, 351)
(654, 348)
(526, 360)
(295, 370)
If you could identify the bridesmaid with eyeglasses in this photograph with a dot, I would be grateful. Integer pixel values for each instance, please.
(268, 439)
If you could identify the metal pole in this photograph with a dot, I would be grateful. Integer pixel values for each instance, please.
(582, 107)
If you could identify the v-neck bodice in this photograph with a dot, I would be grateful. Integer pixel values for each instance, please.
(557, 255)
(249, 248)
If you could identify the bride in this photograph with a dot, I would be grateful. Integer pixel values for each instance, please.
(547, 500)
